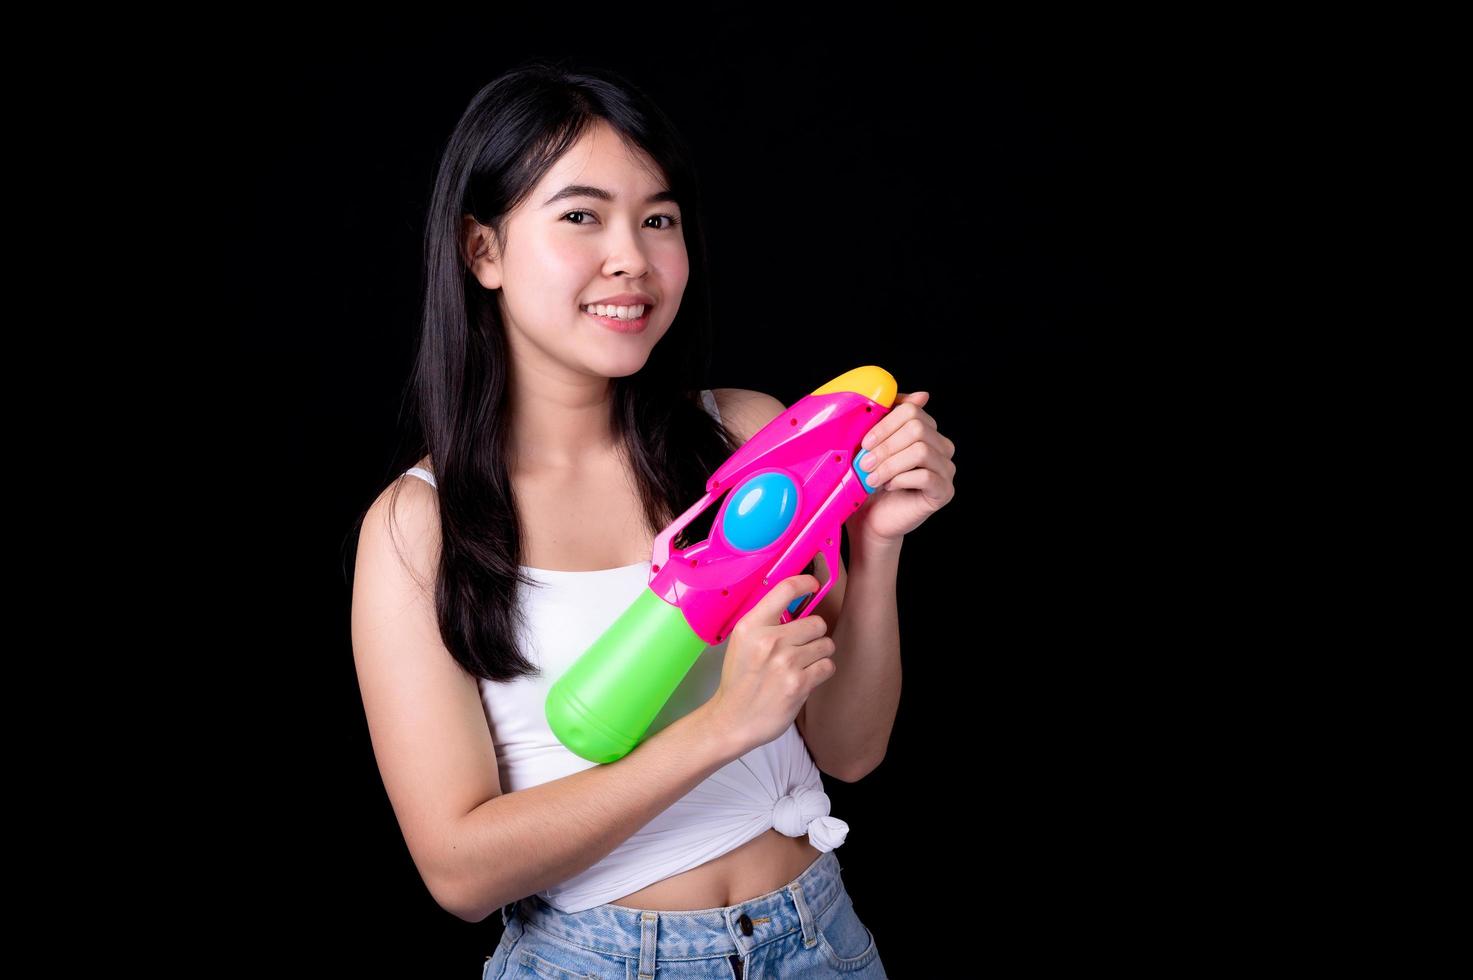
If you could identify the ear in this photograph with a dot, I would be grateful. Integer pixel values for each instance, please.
(477, 251)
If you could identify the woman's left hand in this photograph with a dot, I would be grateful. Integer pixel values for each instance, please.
(909, 465)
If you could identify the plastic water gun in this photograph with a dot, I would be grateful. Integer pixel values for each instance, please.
(786, 493)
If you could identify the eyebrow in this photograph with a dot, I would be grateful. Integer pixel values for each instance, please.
(584, 190)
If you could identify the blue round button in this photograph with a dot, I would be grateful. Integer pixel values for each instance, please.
(863, 475)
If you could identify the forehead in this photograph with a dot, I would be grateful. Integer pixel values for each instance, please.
(600, 161)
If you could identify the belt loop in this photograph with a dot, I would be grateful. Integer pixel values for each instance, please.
(649, 941)
(805, 917)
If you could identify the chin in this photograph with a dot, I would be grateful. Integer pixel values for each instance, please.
(622, 367)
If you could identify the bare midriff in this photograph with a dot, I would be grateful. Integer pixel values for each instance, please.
(763, 864)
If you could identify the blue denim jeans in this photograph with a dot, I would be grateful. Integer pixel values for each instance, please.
(808, 928)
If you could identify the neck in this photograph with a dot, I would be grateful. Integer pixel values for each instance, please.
(561, 423)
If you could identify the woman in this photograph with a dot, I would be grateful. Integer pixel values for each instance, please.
(560, 424)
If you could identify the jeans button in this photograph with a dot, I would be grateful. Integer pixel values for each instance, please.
(746, 924)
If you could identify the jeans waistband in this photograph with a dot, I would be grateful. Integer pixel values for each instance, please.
(649, 934)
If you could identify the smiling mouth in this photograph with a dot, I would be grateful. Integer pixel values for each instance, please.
(643, 318)
(647, 308)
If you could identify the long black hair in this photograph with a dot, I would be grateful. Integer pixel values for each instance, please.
(510, 135)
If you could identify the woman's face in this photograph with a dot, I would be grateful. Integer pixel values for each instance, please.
(565, 253)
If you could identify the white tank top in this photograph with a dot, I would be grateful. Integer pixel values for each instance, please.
(773, 785)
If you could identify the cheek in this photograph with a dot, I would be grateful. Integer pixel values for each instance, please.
(676, 264)
(567, 265)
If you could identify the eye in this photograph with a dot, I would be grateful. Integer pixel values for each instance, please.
(669, 217)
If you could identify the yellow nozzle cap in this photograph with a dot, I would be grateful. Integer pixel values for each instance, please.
(874, 383)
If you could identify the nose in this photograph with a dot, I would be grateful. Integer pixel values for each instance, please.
(628, 255)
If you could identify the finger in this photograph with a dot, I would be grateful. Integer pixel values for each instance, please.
(929, 482)
(884, 428)
(914, 432)
(783, 594)
(910, 458)
(811, 653)
(880, 431)
(801, 609)
(918, 457)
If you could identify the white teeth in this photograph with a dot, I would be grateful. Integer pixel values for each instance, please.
(622, 312)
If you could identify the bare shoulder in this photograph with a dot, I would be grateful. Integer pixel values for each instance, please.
(745, 412)
(406, 517)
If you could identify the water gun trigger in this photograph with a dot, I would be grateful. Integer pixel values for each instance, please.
(805, 604)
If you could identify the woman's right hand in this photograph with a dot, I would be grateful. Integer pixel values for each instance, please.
(771, 667)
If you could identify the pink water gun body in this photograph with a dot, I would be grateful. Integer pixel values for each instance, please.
(787, 491)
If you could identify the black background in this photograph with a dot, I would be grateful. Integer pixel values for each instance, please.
(997, 193)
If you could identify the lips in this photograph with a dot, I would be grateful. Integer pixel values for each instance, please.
(624, 299)
(621, 326)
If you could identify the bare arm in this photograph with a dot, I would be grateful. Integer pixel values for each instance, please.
(476, 848)
(518, 844)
